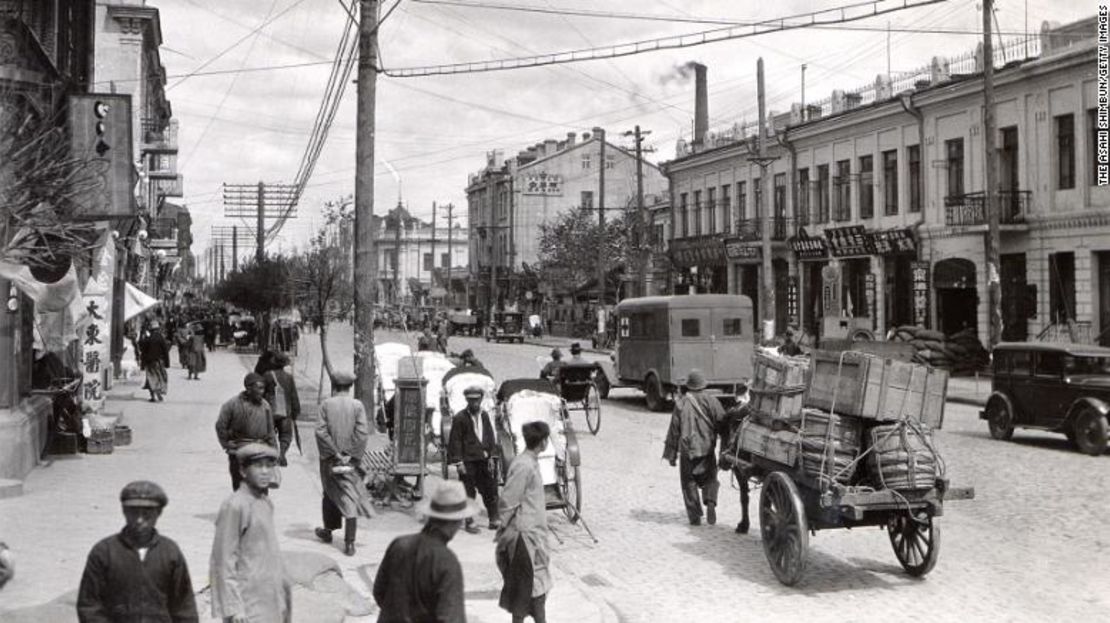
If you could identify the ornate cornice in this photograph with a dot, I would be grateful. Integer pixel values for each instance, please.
(135, 20)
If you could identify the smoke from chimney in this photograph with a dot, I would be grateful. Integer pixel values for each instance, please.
(701, 105)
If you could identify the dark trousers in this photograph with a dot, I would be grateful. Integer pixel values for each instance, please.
(479, 478)
(698, 477)
(538, 610)
(333, 520)
(233, 468)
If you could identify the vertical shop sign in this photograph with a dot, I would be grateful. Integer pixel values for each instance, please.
(830, 289)
(869, 293)
(792, 314)
(95, 334)
(920, 272)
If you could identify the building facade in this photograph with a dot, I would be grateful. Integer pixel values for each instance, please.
(875, 201)
(413, 257)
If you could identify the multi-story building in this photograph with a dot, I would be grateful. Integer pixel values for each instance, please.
(510, 199)
(876, 199)
(411, 252)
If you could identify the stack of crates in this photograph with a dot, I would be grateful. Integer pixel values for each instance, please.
(777, 390)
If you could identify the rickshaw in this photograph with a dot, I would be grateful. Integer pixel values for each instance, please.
(577, 384)
(452, 400)
(506, 326)
(528, 400)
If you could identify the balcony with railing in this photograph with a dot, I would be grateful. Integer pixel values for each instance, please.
(751, 229)
(970, 209)
(158, 136)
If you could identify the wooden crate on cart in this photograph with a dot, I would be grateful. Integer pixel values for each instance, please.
(869, 387)
(780, 446)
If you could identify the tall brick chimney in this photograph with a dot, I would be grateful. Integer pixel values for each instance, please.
(701, 106)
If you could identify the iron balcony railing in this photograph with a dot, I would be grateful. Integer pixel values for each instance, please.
(159, 135)
(970, 209)
(752, 228)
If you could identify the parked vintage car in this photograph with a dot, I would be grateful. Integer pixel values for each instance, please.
(1063, 388)
(507, 326)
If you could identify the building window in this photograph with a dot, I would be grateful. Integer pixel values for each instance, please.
(742, 201)
(1092, 149)
(779, 198)
(801, 211)
(757, 195)
(588, 199)
(726, 209)
(913, 154)
(697, 213)
(445, 260)
(585, 161)
(658, 232)
(711, 210)
(428, 262)
(823, 193)
(684, 214)
(890, 182)
(954, 158)
(610, 161)
(866, 187)
(1061, 286)
(1065, 152)
(842, 209)
(391, 259)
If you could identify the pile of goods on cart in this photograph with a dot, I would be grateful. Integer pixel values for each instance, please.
(847, 419)
(959, 352)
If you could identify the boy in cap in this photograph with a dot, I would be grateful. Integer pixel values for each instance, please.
(470, 449)
(246, 570)
(419, 578)
(692, 440)
(341, 434)
(137, 575)
(244, 419)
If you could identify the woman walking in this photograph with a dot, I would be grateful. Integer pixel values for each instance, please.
(522, 552)
(195, 358)
(154, 358)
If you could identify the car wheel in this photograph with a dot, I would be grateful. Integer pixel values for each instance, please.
(1000, 420)
(1091, 432)
(653, 393)
(602, 383)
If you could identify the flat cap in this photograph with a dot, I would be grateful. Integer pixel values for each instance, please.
(252, 378)
(143, 493)
(474, 391)
(342, 377)
(254, 451)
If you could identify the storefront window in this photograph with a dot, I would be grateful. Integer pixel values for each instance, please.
(684, 214)
(801, 211)
(842, 209)
(954, 150)
(697, 213)
(890, 182)
(866, 187)
(913, 154)
(780, 197)
(1065, 151)
(711, 211)
(823, 193)
(741, 201)
(726, 209)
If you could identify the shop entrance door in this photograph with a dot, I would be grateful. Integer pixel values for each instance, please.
(1015, 327)
(1103, 298)
(749, 287)
(957, 297)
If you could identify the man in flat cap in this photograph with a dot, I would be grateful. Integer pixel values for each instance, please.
(471, 449)
(246, 570)
(244, 419)
(692, 441)
(138, 574)
(341, 434)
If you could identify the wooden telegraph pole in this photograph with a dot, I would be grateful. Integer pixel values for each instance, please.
(767, 222)
(450, 251)
(601, 219)
(365, 260)
(990, 193)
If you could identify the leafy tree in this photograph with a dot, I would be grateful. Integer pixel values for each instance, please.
(570, 245)
(259, 286)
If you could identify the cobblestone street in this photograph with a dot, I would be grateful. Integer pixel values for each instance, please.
(1028, 548)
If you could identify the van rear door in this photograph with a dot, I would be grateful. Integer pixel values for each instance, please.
(690, 343)
(732, 341)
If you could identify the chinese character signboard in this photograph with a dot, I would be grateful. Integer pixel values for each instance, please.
(100, 130)
(830, 290)
(849, 241)
(792, 315)
(737, 251)
(869, 292)
(705, 251)
(408, 422)
(95, 336)
(807, 248)
(543, 184)
(920, 272)
(893, 241)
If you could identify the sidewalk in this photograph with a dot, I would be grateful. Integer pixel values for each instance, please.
(71, 502)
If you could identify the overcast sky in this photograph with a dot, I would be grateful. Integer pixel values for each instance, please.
(434, 131)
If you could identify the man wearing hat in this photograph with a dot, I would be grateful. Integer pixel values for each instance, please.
(138, 574)
(154, 358)
(246, 569)
(419, 578)
(281, 395)
(244, 419)
(790, 346)
(341, 434)
(551, 370)
(576, 353)
(692, 440)
(470, 449)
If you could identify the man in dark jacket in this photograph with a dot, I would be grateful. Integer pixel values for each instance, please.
(419, 578)
(692, 440)
(154, 359)
(286, 405)
(137, 575)
(470, 449)
(244, 419)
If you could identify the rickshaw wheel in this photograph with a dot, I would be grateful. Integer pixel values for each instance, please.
(916, 541)
(570, 486)
(784, 529)
(593, 409)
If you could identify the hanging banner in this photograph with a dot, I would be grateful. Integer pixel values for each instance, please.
(95, 327)
(920, 273)
(849, 241)
(792, 314)
(869, 293)
(807, 248)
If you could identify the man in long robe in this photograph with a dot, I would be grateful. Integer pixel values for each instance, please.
(522, 548)
(692, 440)
(246, 569)
(154, 358)
(138, 574)
(341, 434)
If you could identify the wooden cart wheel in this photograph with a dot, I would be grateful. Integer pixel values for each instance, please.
(783, 526)
(916, 541)
(570, 486)
(593, 409)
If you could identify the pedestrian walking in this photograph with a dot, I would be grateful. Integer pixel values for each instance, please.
(182, 337)
(341, 434)
(154, 358)
(419, 578)
(692, 440)
(196, 360)
(442, 333)
(522, 550)
(137, 575)
(244, 419)
(246, 569)
(470, 449)
(281, 395)
(551, 370)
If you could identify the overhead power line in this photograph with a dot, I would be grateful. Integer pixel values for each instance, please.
(847, 13)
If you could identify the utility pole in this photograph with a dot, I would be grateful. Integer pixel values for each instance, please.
(601, 219)
(365, 260)
(431, 275)
(990, 194)
(450, 251)
(259, 201)
(641, 234)
(260, 235)
(234, 247)
(397, 257)
(767, 222)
